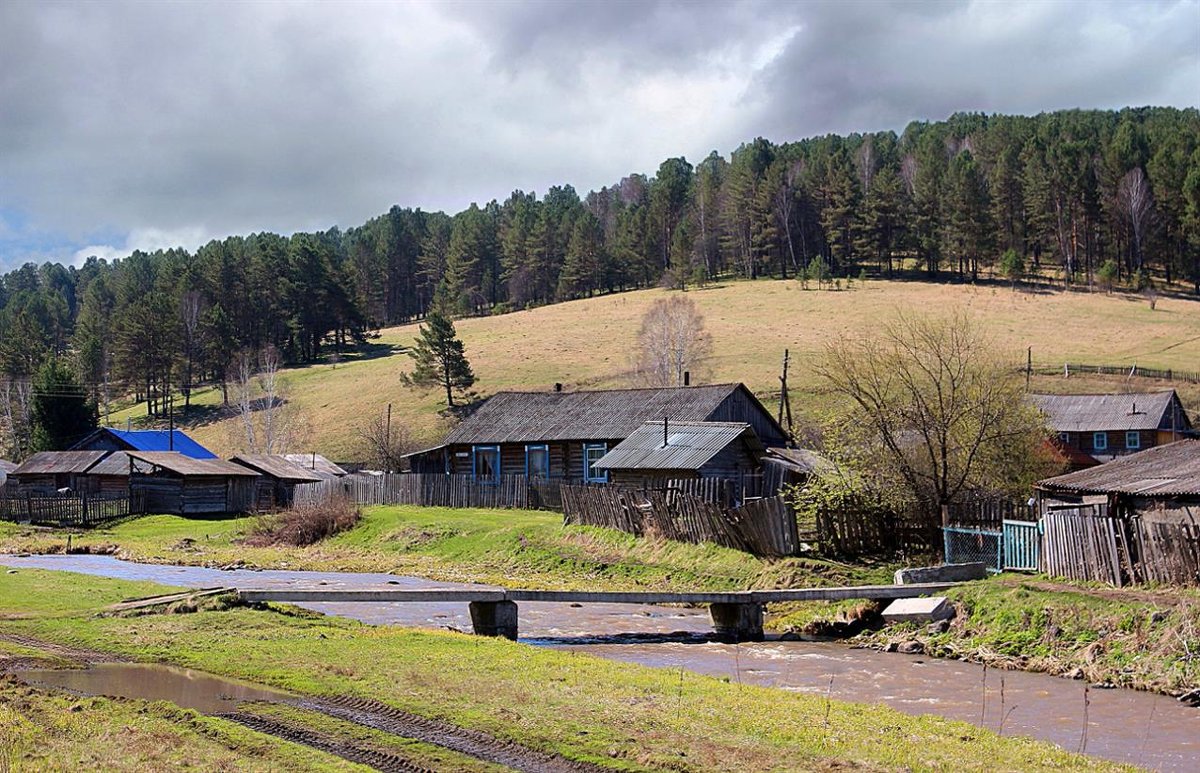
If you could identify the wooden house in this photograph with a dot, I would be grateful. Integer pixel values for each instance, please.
(277, 480)
(179, 485)
(47, 472)
(110, 439)
(660, 451)
(1104, 427)
(562, 435)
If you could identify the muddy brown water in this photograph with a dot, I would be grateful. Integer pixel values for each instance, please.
(197, 690)
(1153, 731)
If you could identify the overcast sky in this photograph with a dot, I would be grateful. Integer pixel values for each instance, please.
(146, 125)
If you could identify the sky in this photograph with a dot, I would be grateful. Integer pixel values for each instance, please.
(149, 125)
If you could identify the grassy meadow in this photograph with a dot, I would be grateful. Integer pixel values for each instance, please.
(587, 344)
(619, 716)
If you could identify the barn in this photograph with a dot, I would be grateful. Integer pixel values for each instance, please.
(179, 485)
(278, 479)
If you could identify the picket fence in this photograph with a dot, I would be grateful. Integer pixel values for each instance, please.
(1091, 543)
(68, 510)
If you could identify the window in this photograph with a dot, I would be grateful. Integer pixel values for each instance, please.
(537, 462)
(1100, 441)
(1133, 440)
(486, 464)
(1065, 438)
(591, 454)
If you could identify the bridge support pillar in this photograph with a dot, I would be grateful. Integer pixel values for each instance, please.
(738, 622)
(494, 618)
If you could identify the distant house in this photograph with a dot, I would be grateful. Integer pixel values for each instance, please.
(278, 479)
(318, 464)
(666, 450)
(562, 435)
(1103, 427)
(109, 439)
(49, 471)
(1161, 484)
(180, 485)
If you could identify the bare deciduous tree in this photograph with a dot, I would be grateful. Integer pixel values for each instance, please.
(384, 444)
(940, 410)
(672, 342)
(190, 304)
(1135, 201)
(269, 423)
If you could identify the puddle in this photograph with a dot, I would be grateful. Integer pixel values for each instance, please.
(196, 690)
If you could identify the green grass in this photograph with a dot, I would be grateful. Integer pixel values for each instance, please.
(57, 731)
(623, 716)
(515, 548)
(1140, 638)
(750, 322)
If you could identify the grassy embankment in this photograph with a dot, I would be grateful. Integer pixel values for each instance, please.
(503, 547)
(617, 715)
(1143, 638)
(586, 344)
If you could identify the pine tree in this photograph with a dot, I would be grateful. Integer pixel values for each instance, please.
(439, 356)
(62, 413)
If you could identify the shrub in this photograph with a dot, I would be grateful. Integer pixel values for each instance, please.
(305, 524)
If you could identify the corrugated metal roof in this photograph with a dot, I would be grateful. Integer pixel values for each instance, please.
(1114, 413)
(316, 463)
(278, 467)
(1170, 470)
(690, 445)
(802, 460)
(182, 465)
(524, 417)
(152, 440)
(58, 462)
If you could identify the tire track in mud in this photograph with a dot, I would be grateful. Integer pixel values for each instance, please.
(473, 743)
(387, 762)
(61, 650)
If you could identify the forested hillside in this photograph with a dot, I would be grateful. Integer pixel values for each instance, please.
(1083, 196)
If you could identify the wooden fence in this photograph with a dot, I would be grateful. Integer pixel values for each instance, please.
(1075, 368)
(987, 513)
(764, 527)
(428, 490)
(1090, 543)
(865, 529)
(68, 510)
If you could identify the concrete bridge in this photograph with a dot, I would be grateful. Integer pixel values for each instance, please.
(736, 615)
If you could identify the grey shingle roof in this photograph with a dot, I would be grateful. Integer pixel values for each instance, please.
(316, 463)
(689, 445)
(117, 464)
(524, 417)
(278, 467)
(182, 465)
(1113, 413)
(7, 466)
(1170, 470)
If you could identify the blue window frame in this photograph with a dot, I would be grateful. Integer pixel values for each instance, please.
(1100, 441)
(537, 462)
(1133, 440)
(591, 454)
(485, 464)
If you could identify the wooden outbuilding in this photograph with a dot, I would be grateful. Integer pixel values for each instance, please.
(1160, 484)
(47, 472)
(661, 451)
(278, 479)
(178, 485)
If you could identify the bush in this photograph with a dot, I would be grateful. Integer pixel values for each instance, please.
(305, 524)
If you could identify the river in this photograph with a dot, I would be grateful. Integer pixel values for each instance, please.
(1153, 731)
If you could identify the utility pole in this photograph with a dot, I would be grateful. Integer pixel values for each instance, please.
(1028, 366)
(387, 438)
(785, 404)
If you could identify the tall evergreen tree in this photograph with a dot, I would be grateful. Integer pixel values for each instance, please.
(62, 413)
(440, 359)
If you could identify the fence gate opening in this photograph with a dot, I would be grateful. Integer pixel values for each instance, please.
(1015, 546)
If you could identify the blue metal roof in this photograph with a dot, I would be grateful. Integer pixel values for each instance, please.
(161, 440)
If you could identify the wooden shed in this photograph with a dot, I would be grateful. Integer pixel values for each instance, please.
(110, 476)
(278, 479)
(49, 471)
(178, 485)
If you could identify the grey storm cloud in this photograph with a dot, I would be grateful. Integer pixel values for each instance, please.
(143, 125)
